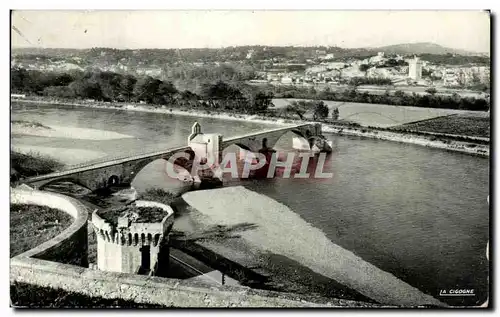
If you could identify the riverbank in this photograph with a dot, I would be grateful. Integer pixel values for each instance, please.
(54, 131)
(253, 230)
(31, 164)
(435, 140)
(439, 142)
(69, 157)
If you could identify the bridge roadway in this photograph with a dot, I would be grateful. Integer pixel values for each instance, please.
(122, 170)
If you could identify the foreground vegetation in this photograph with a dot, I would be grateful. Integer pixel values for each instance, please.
(32, 225)
(33, 296)
(31, 164)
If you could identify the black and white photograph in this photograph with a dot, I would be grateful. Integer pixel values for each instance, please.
(250, 159)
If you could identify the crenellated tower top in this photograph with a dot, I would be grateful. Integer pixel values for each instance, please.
(128, 231)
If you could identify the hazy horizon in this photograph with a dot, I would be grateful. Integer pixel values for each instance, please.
(222, 47)
(209, 29)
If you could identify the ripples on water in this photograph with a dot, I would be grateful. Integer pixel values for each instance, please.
(417, 212)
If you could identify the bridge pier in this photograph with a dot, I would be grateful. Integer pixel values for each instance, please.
(207, 149)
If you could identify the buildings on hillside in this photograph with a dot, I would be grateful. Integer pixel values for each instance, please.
(289, 71)
(463, 76)
(377, 59)
(415, 69)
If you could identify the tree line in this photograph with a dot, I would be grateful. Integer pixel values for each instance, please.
(399, 98)
(358, 81)
(115, 87)
(455, 59)
(216, 95)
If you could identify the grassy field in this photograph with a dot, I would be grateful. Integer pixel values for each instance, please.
(31, 164)
(378, 115)
(32, 225)
(33, 296)
(476, 126)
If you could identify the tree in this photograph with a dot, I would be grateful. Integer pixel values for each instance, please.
(109, 83)
(224, 95)
(166, 91)
(85, 88)
(431, 91)
(59, 91)
(220, 90)
(320, 110)
(297, 107)
(364, 68)
(260, 101)
(335, 114)
(148, 89)
(18, 77)
(399, 93)
(127, 87)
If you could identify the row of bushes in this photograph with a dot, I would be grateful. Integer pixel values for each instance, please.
(399, 98)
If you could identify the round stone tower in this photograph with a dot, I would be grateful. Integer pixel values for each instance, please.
(131, 242)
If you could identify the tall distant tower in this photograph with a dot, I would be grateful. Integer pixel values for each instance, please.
(415, 69)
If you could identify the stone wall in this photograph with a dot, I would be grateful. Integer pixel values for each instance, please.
(157, 290)
(71, 245)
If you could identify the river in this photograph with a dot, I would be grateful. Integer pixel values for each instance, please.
(416, 212)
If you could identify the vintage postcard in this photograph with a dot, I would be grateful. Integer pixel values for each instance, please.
(250, 159)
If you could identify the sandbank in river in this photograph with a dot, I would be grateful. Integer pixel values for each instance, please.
(267, 226)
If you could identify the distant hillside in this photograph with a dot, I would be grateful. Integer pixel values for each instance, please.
(423, 48)
(258, 55)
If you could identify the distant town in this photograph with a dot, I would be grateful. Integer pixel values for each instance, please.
(318, 67)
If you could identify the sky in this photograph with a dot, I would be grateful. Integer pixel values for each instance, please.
(469, 30)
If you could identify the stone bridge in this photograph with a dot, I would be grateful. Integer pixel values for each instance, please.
(122, 171)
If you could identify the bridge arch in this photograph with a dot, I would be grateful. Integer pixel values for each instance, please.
(73, 180)
(305, 138)
(241, 146)
(257, 143)
(113, 180)
(296, 139)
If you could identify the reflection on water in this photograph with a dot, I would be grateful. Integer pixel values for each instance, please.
(417, 212)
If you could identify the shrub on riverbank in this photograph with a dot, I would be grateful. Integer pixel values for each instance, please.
(31, 164)
(158, 195)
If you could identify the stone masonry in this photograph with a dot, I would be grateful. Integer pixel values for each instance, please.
(131, 247)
